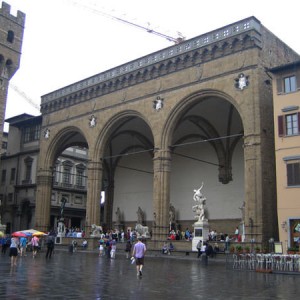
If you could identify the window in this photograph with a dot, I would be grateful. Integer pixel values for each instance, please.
(290, 84)
(80, 178)
(10, 36)
(67, 175)
(293, 174)
(10, 197)
(3, 176)
(289, 125)
(67, 167)
(28, 166)
(31, 133)
(12, 174)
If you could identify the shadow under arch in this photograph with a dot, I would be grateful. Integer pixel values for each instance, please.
(186, 104)
(127, 133)
(50, 151)
(110, 126)
(67, 137)
(205, 121)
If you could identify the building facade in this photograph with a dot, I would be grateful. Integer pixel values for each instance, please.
(19, 172)
(157, 127)
(11, 38)
(286, 92)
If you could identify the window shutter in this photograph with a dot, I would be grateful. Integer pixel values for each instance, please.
(279, 85)
(298, 122)
(280, 126)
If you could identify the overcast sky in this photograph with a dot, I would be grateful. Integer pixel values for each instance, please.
(66, 41)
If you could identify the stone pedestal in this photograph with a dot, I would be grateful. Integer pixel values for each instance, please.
(243, 233)
(201, 231)
(61, 231)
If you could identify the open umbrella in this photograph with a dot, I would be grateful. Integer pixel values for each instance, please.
(33, 232)
(19, 234)
(39, 233)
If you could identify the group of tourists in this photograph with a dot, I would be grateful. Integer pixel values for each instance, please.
(20, 246)
(137, 250)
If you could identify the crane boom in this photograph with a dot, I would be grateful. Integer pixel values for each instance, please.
(24, 96)
(177, 40)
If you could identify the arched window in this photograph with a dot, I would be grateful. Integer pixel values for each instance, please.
(10, 36)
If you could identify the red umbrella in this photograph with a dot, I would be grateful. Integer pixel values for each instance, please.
(19, 234)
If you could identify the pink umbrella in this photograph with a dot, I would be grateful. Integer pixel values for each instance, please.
(19, 234)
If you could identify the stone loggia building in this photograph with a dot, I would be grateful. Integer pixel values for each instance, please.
(157, 127)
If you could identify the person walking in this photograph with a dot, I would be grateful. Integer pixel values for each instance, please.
(23, 245)
(101, 247)
(128, 248)
(139, 250)
(50, 245)
(199, 246)
(113, 249)
(35, 245)
(13, 251)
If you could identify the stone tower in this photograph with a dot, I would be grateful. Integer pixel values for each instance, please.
(11, 37)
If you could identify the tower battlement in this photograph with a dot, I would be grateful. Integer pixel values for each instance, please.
(5, 11)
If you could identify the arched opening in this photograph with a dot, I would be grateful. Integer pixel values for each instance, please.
(68, 160)
(207, 147)
(127, 180)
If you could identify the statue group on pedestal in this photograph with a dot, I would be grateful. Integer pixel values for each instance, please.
(140, 228)
(200, 203)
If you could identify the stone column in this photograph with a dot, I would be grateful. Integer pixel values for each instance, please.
(161, 193)
(43, 199)
(253, 189)
(93, 194)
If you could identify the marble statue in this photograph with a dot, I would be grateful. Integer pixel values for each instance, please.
(96, 230)
(142, 231)
(154, 219)
(118, 216)
(242, 208)
(200, 203)
(63, 203)
(172, 214)
(140, 216)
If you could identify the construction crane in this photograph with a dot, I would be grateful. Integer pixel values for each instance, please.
(176, 40)
(24, 96)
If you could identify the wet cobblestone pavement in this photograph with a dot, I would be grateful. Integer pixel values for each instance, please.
(85, 275)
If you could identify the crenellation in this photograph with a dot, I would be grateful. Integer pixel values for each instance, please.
(5, 11)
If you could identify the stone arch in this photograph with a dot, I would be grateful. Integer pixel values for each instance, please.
(50, 150)
(177, 110)
(220, 152)
(127, 132)
(104, 134)
(63, 139)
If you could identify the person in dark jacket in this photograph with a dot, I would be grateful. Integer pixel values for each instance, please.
(50, 245)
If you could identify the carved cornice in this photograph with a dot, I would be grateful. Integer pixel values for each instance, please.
(227, 40)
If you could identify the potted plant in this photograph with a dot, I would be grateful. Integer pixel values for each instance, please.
(257, 249)
(247, 249)
(238, 248)
(292, 250)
